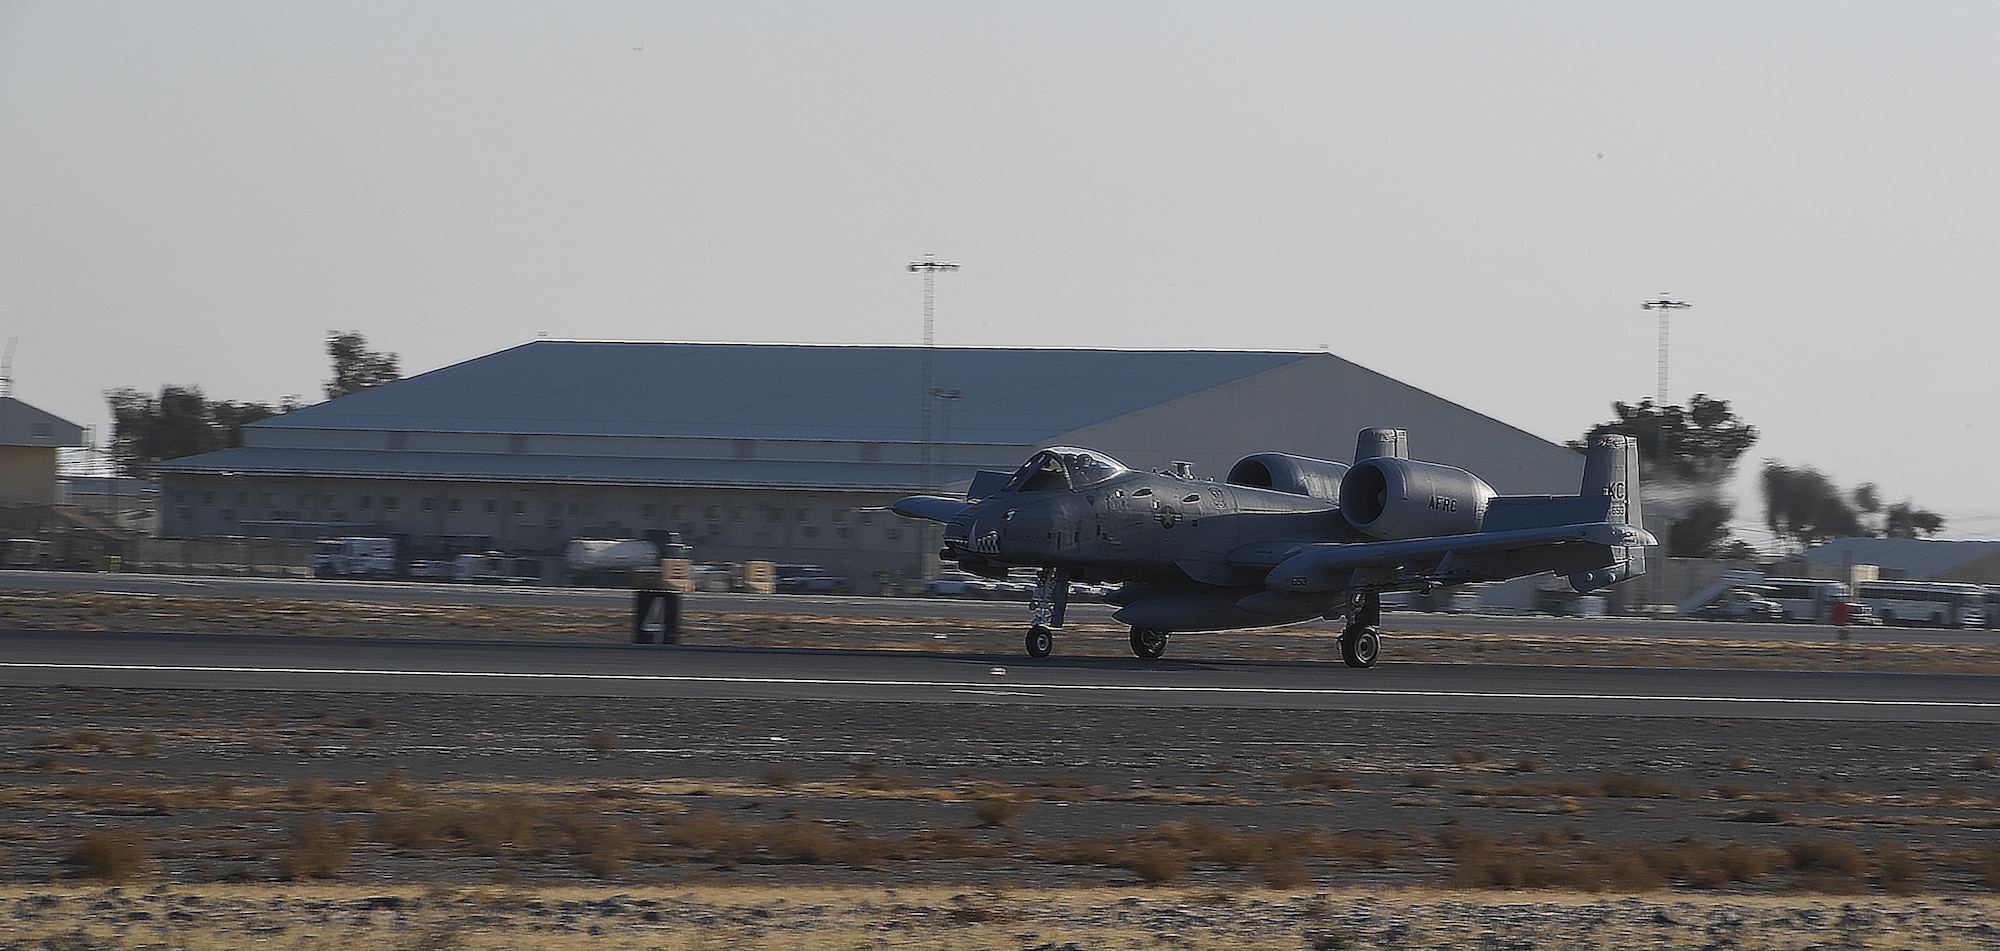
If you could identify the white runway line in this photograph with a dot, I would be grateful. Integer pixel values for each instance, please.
(962, 685)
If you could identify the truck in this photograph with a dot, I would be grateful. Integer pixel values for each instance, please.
(1744, 603)
(611, 563)
(354, 558)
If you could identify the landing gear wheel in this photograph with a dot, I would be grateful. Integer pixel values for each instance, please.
(1360, 646)
(1148, 643)
(1041, 642)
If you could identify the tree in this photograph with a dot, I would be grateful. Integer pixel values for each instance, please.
(355, 367)
(1685, 457)
(1803, 505)
(1905, 520)
(1698, 443)
(179, 422)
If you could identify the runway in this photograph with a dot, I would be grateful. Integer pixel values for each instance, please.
(445, 667)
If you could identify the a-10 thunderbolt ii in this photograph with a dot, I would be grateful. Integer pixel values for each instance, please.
(1284, 538)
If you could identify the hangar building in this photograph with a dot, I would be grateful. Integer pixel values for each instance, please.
(784, 453)
(29, 440)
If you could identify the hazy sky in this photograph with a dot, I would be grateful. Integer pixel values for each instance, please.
(1471, 197)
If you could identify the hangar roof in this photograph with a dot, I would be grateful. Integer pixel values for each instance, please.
(570, 469)
(24, 425)
(1911, 557)
(754, 391)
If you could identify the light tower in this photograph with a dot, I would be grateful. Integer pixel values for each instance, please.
(929, 267)
(1663, 305)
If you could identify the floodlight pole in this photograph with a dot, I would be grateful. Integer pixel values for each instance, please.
(1663, 305)
(929, 268)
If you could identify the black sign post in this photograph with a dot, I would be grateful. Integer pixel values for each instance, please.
(656, 617)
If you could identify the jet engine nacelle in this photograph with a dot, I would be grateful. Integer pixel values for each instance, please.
(1298, 475)
(1400, 498)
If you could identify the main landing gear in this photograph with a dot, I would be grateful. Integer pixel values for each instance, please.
(1050, 599)
(1148, 643)
(1361, 641)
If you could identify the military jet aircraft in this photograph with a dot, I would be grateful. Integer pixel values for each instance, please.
(1283, 539)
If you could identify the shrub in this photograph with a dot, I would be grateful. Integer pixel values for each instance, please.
(1316, 778)
(1154, 864)
(1827, 855)
(996, 811)
(507, 821)
(1214, 843)
(316, 850)
(1422, 780)
(110, 857)
(1760, 814)
(601, 848)
(1897, 871)
(1988, 866)
(781, 777)
(1470, 757)
(1284, 872)
(601, 741)
(1625, 786)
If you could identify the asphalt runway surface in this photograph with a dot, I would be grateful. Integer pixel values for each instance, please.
(374, 665)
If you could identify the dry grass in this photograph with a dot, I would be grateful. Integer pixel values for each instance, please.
(111, 856)
(316, 849)
(1316, 779)
(1552, 859)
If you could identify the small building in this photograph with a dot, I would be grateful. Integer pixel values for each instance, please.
(29, 440)
(125, 501)
(784, 453)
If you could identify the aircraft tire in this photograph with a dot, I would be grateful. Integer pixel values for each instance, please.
(1041, 642)
(1148, 643)
(1360, 646)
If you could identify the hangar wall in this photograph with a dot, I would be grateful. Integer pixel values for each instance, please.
(501, 476)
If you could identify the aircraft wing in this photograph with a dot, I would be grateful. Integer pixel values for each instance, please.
(1332, 566)
(934, 507)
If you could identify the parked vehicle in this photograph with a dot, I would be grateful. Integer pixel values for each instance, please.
(354, 558)
(1744, 603)
(802, 579)
(611, 563)
(1811, 601)
(1925, 603)
(958, 584)
(490, 567)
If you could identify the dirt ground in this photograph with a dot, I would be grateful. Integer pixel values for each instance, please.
(134, 818)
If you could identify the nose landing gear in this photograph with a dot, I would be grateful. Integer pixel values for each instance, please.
(1050, 599)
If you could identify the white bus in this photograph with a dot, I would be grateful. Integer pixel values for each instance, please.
(1920, 603)
(1808, 600)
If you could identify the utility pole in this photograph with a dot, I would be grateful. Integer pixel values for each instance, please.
(929, 267)
(1663, 305)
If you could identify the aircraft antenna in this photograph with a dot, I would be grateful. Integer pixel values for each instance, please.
(929, 267)
(1663, 305)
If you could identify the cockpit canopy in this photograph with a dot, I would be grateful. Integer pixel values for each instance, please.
(1062, 467)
